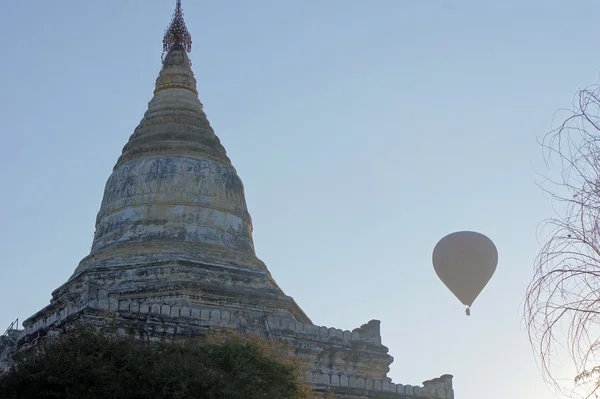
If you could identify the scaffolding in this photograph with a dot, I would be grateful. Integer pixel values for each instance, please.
(7, 344)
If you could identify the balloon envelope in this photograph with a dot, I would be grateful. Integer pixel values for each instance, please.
(465, 261)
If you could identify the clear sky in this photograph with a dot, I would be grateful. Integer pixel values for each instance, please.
(364, 131)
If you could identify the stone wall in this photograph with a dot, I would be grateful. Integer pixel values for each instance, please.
(340, 373)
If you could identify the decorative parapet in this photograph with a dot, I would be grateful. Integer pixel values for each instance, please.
(51, 315)
(215, 316)
(443, 385)
(438, 388)
(367, 332)
(107, 302)
(55, 314)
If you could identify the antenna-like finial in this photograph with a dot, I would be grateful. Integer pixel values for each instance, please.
(177, 33)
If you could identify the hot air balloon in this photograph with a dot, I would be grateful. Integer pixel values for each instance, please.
(465, 261)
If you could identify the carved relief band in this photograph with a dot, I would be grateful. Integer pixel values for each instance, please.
(174, 198)
(174, 179)
(174, 223)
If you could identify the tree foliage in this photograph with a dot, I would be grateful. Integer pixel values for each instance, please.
(562, 305)
(84, 364)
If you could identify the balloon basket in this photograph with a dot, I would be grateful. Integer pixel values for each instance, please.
(468, 311)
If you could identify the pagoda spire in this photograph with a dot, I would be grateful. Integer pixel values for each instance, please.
(177, 33)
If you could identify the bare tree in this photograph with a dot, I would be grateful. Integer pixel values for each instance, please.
(562, 304)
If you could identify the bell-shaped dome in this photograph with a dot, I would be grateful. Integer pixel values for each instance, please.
(173, 192)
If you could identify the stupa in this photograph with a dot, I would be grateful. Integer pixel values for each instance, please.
(173, 255)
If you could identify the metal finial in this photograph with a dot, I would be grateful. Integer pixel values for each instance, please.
(177, 33)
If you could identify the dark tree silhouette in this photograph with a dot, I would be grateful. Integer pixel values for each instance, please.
(84, 364)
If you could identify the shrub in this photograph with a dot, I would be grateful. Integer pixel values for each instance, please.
(85, 364)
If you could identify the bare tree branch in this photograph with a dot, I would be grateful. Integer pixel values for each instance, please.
(562, 306)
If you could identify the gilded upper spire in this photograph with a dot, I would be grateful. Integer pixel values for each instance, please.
(177, 33)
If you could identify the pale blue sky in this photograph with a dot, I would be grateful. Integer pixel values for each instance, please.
(364, 131)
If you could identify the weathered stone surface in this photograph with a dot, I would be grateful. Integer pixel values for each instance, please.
(173, 192)
(173, 256)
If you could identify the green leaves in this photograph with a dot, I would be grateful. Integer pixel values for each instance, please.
(83, 364)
